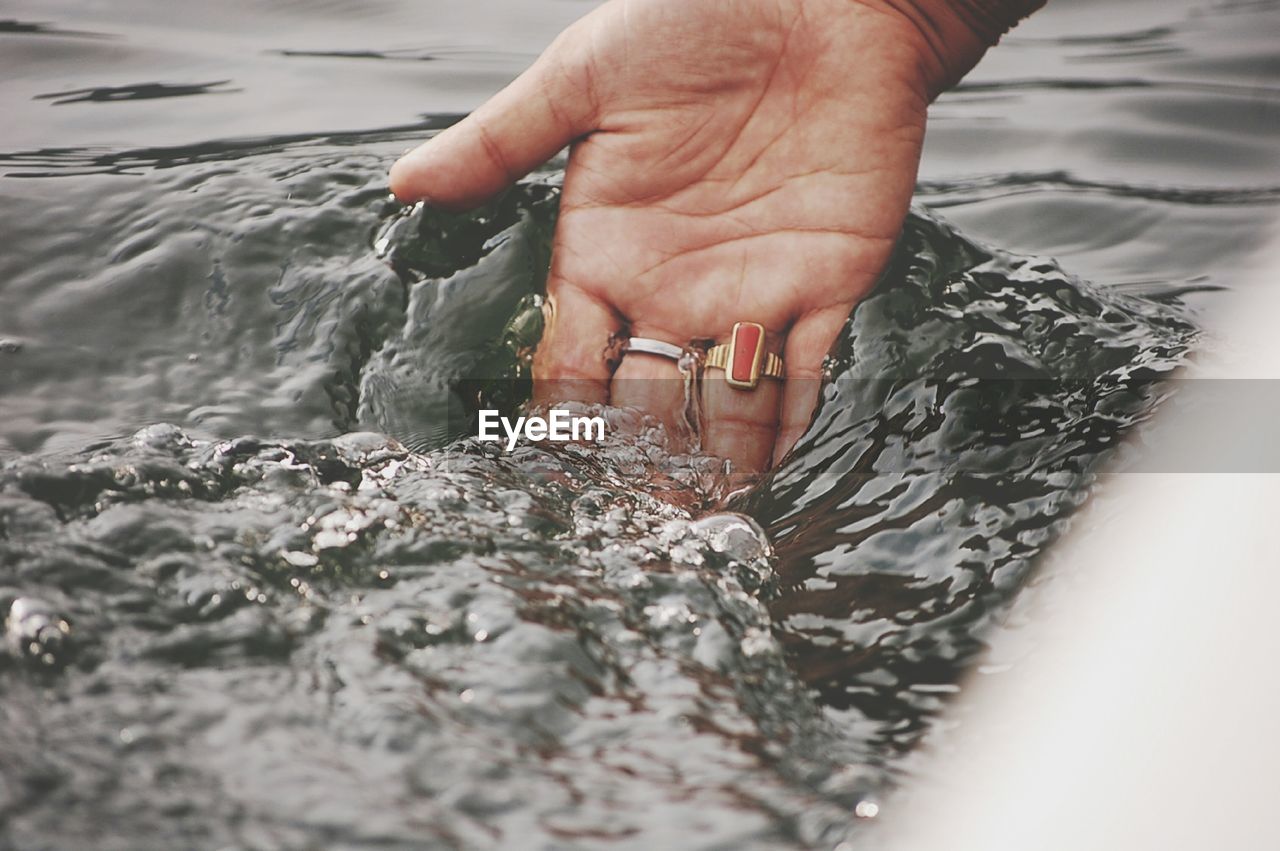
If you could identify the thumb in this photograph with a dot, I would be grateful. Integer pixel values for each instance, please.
(516, 130)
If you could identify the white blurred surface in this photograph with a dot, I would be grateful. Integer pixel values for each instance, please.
(1146, 716)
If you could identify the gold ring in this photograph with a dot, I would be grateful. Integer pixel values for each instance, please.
(744, 359)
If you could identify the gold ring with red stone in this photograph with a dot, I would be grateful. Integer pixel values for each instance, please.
(744, 359)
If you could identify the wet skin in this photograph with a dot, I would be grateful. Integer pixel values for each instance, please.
(744, 162)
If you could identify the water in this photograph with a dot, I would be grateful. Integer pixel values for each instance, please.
(239, 614)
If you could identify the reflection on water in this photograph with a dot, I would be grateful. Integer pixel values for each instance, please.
(235, 616)
(145, 91)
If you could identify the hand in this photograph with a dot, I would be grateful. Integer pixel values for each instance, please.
(747, 160)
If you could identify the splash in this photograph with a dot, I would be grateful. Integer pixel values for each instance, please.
(403, 636)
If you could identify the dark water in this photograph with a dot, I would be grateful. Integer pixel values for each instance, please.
(238, 617)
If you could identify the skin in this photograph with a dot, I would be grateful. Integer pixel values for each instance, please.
(751, 160)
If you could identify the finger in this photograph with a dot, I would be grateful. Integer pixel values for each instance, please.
(571, 363)
(519, 128)
(651, 383)
(742, 424)
(807, 345)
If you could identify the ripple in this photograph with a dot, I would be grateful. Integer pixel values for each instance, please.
(480, 641)
(958, 191)
(140, 91)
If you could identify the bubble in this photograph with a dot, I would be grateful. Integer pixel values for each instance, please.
(736, 536)
(866, 809)
(35, 631)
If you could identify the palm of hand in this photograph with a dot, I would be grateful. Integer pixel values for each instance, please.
(745, 161)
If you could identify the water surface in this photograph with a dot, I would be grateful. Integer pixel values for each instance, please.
(240, 612)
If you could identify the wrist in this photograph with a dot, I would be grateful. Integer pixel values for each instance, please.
(954, 34)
